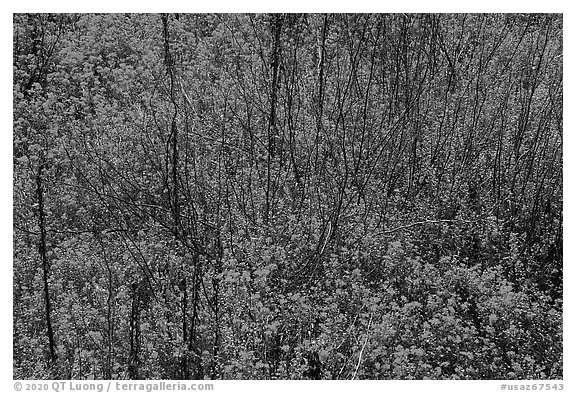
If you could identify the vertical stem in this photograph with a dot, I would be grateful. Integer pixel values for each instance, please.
(109, 315)
(45, 265)
(216, 303)
(192, 347)
(272, 131)
(134, 333)
(320, 103)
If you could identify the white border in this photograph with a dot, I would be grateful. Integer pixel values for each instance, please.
(294, 6)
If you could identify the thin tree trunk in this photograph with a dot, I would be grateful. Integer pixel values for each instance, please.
(198, 373)
(273, 137)
(133, 363)
(45, 264)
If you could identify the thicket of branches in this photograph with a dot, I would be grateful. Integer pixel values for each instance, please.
(287, 196)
